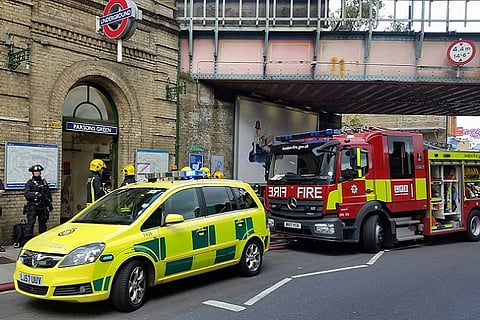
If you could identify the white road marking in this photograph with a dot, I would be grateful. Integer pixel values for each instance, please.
(375, 258)
(328, 271)
(224, 305)
(267, 291)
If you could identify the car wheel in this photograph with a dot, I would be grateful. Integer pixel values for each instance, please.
(130, 287)
(252, 259)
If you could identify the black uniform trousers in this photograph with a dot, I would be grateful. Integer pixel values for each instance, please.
(36, 211)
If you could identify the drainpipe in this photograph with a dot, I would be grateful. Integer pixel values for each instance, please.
(177, 109)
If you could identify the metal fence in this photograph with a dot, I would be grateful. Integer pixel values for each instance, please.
(331, 15)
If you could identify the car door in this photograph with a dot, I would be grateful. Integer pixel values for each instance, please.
(221, 220)
(185, 243)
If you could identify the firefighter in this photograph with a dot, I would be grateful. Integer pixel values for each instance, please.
(94, 181)
(218, 175)
(183, 172)
(129, 172)
(205, 172)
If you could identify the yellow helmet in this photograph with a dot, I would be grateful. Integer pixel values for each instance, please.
(129, 170)
(205, 172)
(218, 175)
(97, 165)
(186, 168)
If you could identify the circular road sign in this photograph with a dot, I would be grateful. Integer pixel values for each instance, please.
(461, 52)
(118, 21)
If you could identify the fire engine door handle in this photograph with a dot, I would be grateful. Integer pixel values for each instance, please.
(368, 190)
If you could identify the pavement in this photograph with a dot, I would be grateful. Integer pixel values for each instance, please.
(7, 269)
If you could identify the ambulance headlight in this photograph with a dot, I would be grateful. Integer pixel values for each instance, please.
(327, 228)
(83, 255)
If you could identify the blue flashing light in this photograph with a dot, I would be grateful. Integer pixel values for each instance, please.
(192, 174)
(308, 135)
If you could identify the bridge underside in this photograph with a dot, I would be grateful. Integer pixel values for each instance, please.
(353, 97)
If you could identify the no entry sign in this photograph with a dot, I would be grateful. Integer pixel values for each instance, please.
(119, 20)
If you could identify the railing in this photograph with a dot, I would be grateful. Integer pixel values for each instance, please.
(331, 15)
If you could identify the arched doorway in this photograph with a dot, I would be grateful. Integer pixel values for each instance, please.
(90, 131)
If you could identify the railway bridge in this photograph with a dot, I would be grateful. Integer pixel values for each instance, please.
(417, 57)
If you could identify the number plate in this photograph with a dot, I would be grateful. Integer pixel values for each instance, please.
(31, 279)
(294, 225)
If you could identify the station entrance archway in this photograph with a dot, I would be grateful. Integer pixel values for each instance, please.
(90, 123)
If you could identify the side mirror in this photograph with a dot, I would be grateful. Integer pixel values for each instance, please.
(173, 218)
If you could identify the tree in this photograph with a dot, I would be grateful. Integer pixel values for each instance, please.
(352, 122)
(359, 14)
(398, 26)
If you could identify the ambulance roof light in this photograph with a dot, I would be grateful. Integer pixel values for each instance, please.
(308, 135)
(192, 174)
(175, 175)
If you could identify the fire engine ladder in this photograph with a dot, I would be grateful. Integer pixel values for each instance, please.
(405, 229)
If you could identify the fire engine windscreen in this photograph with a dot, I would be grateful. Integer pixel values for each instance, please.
(303, 163)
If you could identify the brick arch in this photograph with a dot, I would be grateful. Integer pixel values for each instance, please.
(111, 78)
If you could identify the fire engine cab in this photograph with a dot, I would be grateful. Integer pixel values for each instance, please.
(373, 187)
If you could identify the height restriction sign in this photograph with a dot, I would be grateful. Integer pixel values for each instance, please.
(461, 52)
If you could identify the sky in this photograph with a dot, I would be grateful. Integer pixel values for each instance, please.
(435, 14)
(468, 122)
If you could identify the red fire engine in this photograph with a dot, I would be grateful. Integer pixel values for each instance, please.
(376, 188)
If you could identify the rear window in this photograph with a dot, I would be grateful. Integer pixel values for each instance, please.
(225, 199)
(218, 200)
(243, 198)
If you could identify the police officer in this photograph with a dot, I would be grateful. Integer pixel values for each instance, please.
(94, 181)
(129, 172)
(39, 201)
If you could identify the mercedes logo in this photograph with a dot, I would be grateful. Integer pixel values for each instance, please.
(292, 203)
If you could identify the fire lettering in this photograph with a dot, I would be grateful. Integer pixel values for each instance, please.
(277, 192)
(309, 192)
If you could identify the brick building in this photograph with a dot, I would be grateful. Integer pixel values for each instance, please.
(70, 74)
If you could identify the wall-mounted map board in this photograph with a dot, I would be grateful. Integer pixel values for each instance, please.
(19, 156)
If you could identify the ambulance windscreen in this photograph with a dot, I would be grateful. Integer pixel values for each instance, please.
(121, 206)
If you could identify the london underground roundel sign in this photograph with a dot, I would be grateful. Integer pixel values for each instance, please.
(119, 20)
(461, 52)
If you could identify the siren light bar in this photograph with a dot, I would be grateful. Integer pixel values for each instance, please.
(308, 135)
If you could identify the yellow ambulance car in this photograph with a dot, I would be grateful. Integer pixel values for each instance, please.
(143, 235)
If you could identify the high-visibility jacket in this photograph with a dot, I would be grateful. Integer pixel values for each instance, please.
(94, 187)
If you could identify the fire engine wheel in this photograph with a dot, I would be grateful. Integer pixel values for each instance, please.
(251, 260)
(129, 289)
(473, 229)
(372, 234)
